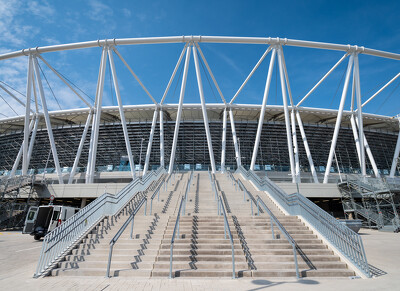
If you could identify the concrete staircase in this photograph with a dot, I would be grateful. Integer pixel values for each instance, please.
(201, 249)
(131, 257)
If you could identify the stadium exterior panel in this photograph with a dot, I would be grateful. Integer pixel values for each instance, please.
(192, 152)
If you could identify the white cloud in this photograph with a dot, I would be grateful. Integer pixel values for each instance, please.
(99, 11)
(42, 10)
(126, 12)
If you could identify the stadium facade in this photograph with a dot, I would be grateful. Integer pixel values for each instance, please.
(290, 143)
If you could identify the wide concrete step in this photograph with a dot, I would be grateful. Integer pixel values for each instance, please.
(201, 265)
(301, 264)
(103, 264)
(101, 272)
(303, 273)
(202, 258)
(269, 258)
(116, 251)
(288, 251)
(285, 246)
(199, 252)
(201, 241)
(197, 273)
(202, 246)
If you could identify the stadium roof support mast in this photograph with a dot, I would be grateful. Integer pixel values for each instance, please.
(396, 153)
(47, 120)
(293, 120)
(359, 115)
(338, 119)
(223, 151)
(121, 112)
(80, 147)
(162, 160)
(153, 126)
(234, 137)
(179, 114)
(27, 117)
(162, 147)
(204, 109)
(263, 106)
(19, 155)
(96, 119)
(286, 111)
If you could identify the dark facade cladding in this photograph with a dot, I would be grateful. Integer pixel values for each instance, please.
(192, 145)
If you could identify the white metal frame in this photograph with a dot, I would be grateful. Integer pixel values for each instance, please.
(291, 113)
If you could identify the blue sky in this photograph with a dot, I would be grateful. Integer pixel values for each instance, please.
(372, 24)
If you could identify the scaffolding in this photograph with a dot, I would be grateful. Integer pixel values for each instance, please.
(375, 200)
(17, 195)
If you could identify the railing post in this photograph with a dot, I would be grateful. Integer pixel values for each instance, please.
(170, 261)
(145, 208)
(109, 261)
(133, 218)
(272, 227)
(295, 261)
(224, 228)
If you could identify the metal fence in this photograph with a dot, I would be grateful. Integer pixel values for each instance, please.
(346, 241)
(59, 241)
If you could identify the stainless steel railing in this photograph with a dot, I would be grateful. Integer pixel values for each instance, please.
(176, 232)
(227, 230)
(59, 241)
(273, 220)
(157, 191)
(135, 210)
(346, 241)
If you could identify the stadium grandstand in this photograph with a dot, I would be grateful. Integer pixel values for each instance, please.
(288, 161)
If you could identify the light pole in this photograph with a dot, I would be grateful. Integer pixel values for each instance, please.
(140, 156)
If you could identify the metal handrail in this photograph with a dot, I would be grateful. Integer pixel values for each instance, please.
(346, 241)
(59, 241)
(251, 198)
(176, 229)
(227, 229)
(155, 193)
(273, 220)
(122, 229)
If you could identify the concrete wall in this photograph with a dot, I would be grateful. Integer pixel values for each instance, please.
(311, 190)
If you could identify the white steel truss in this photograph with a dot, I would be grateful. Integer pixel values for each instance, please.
(191, 45)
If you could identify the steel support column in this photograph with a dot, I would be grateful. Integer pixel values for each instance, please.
(338, 119)
(370, 156)
(204, 109)
(179, 113)
(355, 135)
(295, 145)
(47, 120)
(262, 112)
(96, 119)
(162, 161)
(27, 117)
(80, 147)
(33, 137)
(121, 113)
(19, 155)
(149, 146)
(395, 156)
(360, 124)
(307, 148)
(286, 111)
(235, 142)
(223, 151)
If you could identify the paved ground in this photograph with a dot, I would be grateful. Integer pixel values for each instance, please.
(19, 253)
